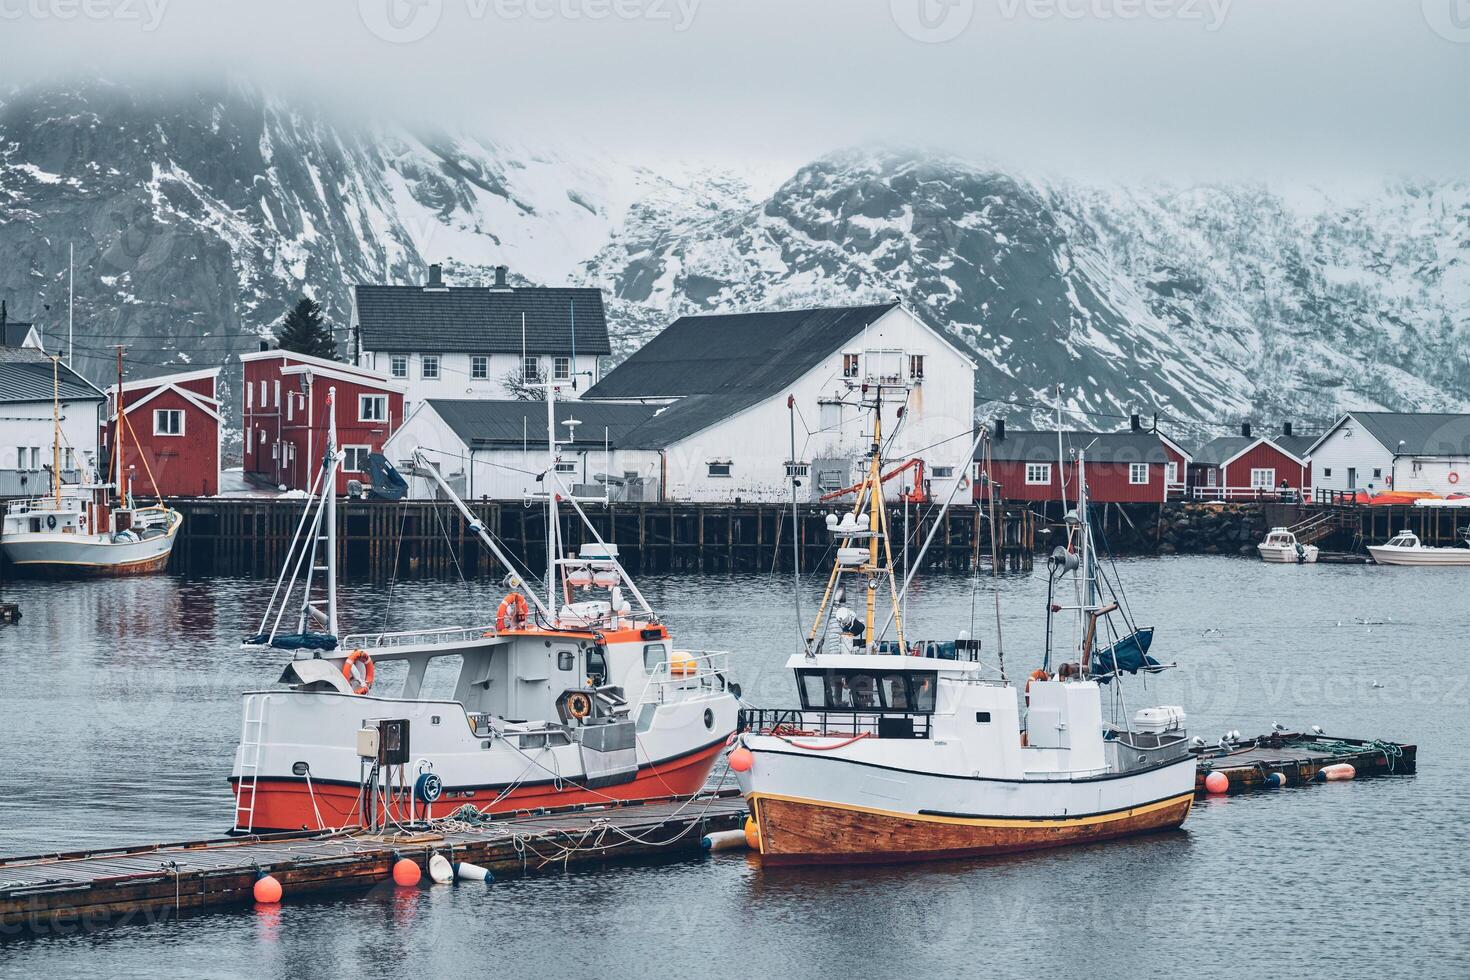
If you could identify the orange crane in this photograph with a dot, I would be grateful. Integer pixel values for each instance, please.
(916, 495)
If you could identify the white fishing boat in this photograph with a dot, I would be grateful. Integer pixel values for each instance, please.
(1405, 548)
(1282, 546)
(88, 529)
(905, 750)
(576, 694)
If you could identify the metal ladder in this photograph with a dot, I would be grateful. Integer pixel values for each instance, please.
(252, 738)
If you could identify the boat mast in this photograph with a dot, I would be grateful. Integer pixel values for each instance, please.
(552, 544)
(56, 427)
(329, 487)
(117, 471)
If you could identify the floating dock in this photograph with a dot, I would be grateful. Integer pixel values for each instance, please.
(151, 882)
(1299, 757)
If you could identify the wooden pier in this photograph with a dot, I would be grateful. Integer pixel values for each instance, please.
(1299, 757)
(428, 538)
(147, 883)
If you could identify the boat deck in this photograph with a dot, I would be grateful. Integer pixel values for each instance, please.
(150, 882)
(1299, 757)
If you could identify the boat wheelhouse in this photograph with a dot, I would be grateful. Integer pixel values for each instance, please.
(1281, 546)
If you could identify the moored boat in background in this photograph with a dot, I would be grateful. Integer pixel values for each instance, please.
(1281, 546)
(1405, 548)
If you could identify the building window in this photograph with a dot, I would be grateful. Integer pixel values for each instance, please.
(1038, 474)
(398, 365)
(250, 440)
(562, 368)
(916, 367)
(249, 396)
(1211, 473)
(354, 459)
(372, 408)
(71, 459)
(429, 367)
(1377, 473)
(530, 368)
(720, 469)
(1327, 471)
(849, 365)
(1137, 473)
(1171, 472)
(479, 367)
(943, 472)
(264, 399)
(797, 469)
(1263, 479)
(566, 466)
(1418, 467)
(168, 422)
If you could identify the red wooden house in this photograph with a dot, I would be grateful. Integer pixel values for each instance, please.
(1247, 467)
(1133, 466)
(172, 433)
(284, 414)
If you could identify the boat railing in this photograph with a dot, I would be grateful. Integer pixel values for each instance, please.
(842, 724)
(685, 671)
(456, 635)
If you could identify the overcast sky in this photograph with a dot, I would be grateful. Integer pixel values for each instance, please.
(1176, 88)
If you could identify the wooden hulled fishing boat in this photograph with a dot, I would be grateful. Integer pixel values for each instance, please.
(907, 750)
(575, 694)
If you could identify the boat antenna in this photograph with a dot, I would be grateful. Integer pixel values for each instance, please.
(1061, 459)
(71, 275)
(56, 427)
(117, 472)
(796, 528)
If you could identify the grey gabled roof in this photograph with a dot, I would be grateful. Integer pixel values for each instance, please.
(26, 376)
(1219, 451)
(735, 353)
(1422, 433)
(723, 364)
(1040, 446)
(481, 319)
(511, 424)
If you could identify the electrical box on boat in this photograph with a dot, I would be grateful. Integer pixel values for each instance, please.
(1165, 718)
(393, 742)
(367, 743)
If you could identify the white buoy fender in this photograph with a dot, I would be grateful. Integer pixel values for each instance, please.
(724, 840)
(440, 870)
(465, 871)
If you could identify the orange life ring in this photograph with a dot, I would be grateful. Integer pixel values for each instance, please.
(365, 684)
(514, 601)
(1038, 674)
(1454, 477)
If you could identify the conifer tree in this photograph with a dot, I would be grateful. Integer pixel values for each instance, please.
(306, 330)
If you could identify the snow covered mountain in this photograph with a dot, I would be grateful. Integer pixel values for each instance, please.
(198, 219)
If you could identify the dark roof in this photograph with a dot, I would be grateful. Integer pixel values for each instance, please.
(1423, 434)
(482, 423)
(1217, 451)
(723, 364)
(1040, 446)
(26, 376)
(15, 333)
(481, 319)
(700, 355)
(1298, 445)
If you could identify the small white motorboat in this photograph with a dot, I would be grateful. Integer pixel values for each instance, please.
(1405, 548)
(1282, 546)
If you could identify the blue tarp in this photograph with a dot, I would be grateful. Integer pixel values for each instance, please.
(1131, 653)
(297, 641)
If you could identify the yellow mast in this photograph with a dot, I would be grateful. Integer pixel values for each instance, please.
(56, 427)
(117, 407)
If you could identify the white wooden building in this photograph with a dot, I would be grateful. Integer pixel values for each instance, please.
(26, 421)
(722, 384)
(1379, 451)
(497, 449)
(458, 342)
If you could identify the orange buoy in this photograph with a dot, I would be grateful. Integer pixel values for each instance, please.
(1217, 782)
(752, 834)
(1336, 773)
(406, 872)
(267, 890)
(741, 759)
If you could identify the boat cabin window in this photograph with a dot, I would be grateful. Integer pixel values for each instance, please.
(596, 666)
(1404, 539)
(865, 690)
(566, 660)
(654, 654)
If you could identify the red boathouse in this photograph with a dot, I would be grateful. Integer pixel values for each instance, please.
(171, 435)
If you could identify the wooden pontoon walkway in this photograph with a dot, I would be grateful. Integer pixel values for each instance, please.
(1299, 756)
(145, 883)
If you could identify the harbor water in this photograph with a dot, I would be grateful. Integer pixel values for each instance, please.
(121, 713)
